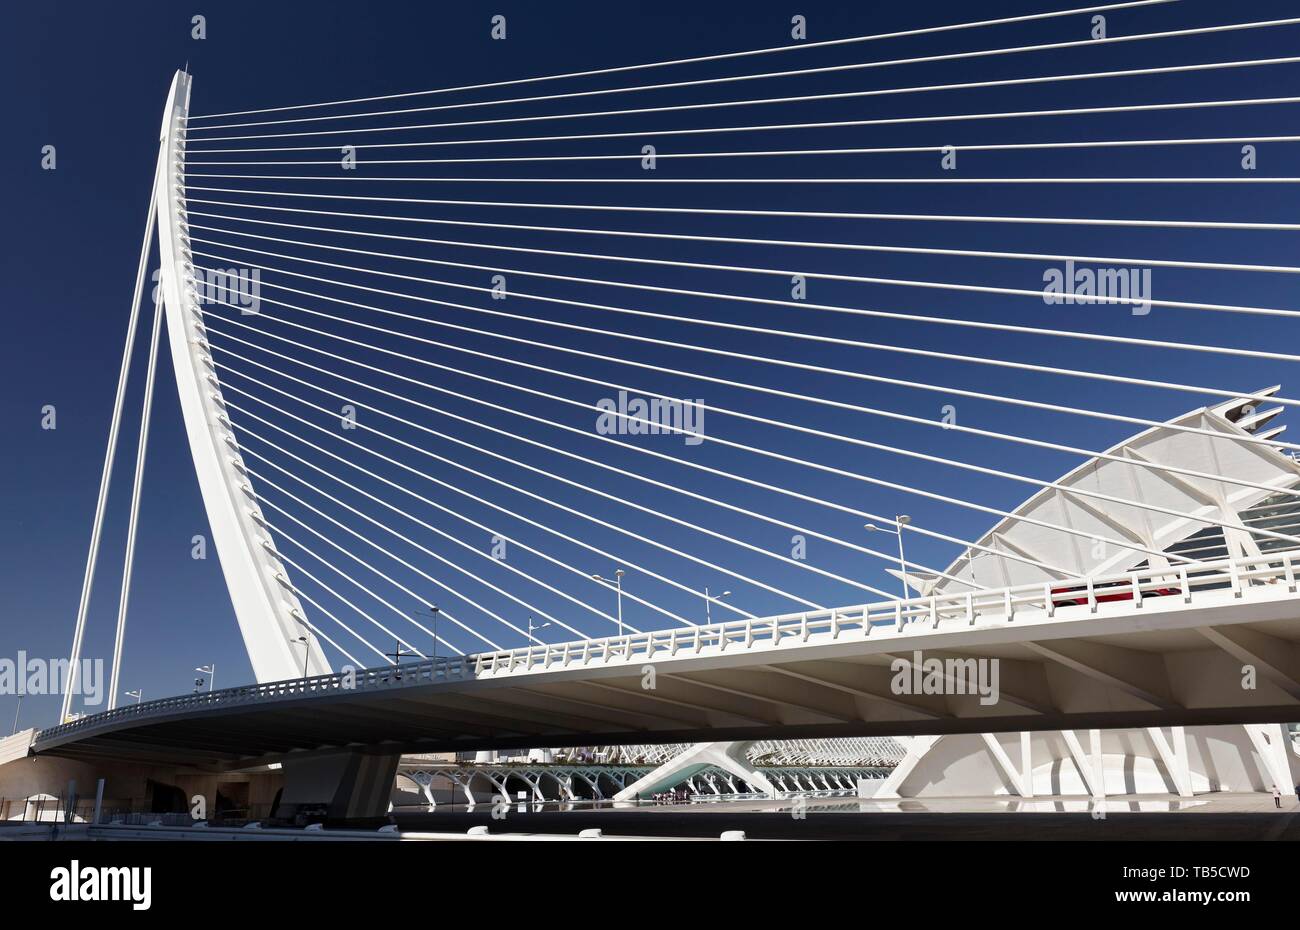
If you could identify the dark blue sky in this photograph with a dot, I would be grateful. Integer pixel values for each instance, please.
(91, 80)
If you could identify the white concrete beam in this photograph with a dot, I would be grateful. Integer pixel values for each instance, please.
(1013, 775)
(1173, 757)
(1082, 763)
(1273, 658)
(1135, 673)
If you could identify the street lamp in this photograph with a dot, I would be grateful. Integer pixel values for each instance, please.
(618, 586)
(306, 651)
(397, 655)
(532, 626)
(900, 520)
(708, 614)
(433, 610)
(210, 671)
(138, 694)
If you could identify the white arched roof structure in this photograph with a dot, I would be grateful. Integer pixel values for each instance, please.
(1206, 440)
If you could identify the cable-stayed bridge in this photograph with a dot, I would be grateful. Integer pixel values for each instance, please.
(525, 441)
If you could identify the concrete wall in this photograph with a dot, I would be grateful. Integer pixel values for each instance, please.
(126, 786)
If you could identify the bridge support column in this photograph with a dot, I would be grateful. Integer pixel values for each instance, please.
(1173, 754)
(1098, 764)
(346, 786)
(1013, 775)
(1273, 744)
(1026, 764)
(729, 757)
(1088, 774)
(918, 747)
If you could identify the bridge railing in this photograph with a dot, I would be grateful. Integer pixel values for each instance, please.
(1070, 599)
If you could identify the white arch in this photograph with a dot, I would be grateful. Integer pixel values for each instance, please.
(271, 618)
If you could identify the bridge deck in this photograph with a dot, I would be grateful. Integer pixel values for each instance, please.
(1142, 649)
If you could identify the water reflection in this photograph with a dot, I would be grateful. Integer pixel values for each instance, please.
(838, 803)
(1004, 806)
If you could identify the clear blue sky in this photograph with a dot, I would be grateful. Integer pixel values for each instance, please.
(91, 80)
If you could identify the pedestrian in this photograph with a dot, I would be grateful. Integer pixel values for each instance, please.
(1277, 797)
(1297, 792)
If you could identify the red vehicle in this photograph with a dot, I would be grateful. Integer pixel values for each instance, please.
(1110, 591)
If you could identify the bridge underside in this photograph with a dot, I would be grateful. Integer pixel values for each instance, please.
(1227, 658)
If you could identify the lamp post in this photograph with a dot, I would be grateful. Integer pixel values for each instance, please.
(900, 520)
(532, 626)
(138, 694)
(618, 584)
(433, 610)
(397, 655)
(210, 671)
(618, 587)
(306, 652)
(708, 614)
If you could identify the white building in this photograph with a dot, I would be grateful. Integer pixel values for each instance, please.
(1227, 439)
